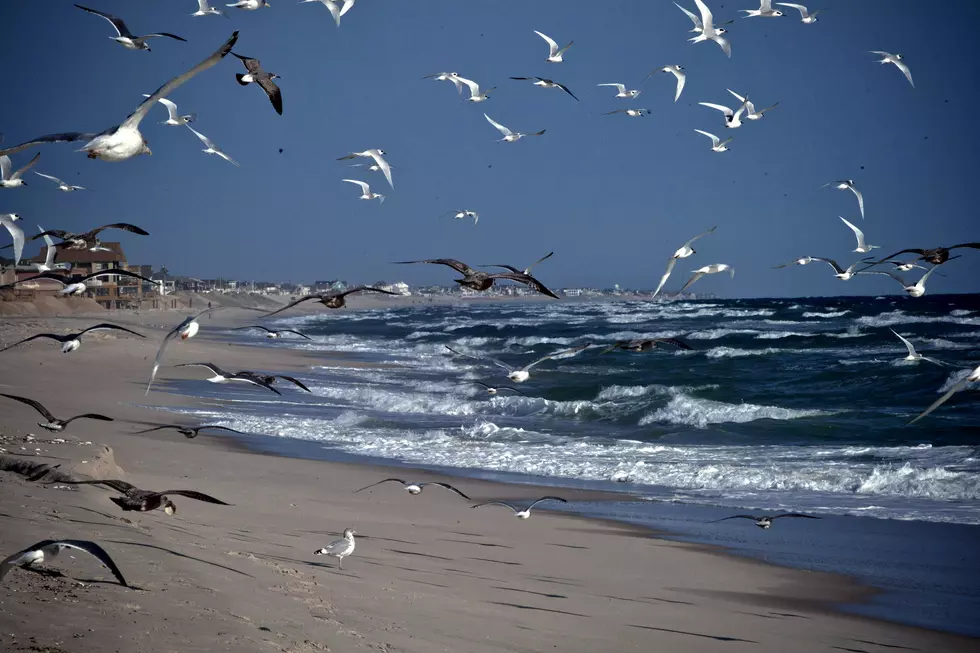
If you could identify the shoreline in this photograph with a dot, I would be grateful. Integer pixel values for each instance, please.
(723, 581)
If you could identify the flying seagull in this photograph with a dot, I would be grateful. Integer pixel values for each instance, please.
(126, 38)
(8, 220)
(709, 32)
(708, 269)
(545, 83)
(803, 260)
(848, 184)
(36, 554)
(339, 549)
(62, 186)
(936, 256)
(918, 289)
(621, 91)
(678, 72)
(465, 213)
(378, 156)
(189, 432)
(913, 356)
(898, 60)
(440, 77)
(520, 514)
(72, 341)
(13, 180)
(90, 239)
(862, 247)
(262, 78)
(805, 16)
(554, 52)
(839, 272)
(54, 424)
(249, 5)
(494, 390)
(211, 148)
(479, 280)
(173, 118)
(273, 333)
(733, 119)
(125, 141)
(972, 377)
(334, 8)
(270, 379)
(366, 193)
(416, 488)
(186, 329)
(510, 136)
(135, 499)
(205, 9)
(526, 270)
(645, 344)
(906, 266)
(50, 251)
(221, 376)
(698, 27)
(750, 112)
(475, 94)
(684, 251)
(522, 374)
(717, 145)
(765, 10)
(765, 521)
(78, 287)
(633, 113)
(331, 299)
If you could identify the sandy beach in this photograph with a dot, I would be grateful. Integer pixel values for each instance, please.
(428, 574)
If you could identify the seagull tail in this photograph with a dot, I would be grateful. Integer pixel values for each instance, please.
(238, 78)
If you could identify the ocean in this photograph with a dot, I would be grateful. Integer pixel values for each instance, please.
(782, 405)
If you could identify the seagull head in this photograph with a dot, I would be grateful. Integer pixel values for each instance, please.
(349, 533)
(721, 30)
(13, 216)
(776, 13)
(899, 56)
(169, 507)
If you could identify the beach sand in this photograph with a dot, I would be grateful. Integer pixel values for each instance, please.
(429, 573)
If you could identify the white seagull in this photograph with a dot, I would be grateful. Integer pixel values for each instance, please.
(186, 329)
(50, 251)
(677, 71)
(521, 514)
(204, 8)
(765, 10)
(366, 193)
(621, 90)
(918, 289)
(862, 247)
(803, 260)
(62, 186)
(805, 16)
(546, 83)
(905, 267)
(632, 113)
(716, 143)
(76, 287)
(839, 272)
(210, 147)
(72, 341)
(54, 424)
(898, 60)
(336, 10)
(378, 156)
(522, 374)
(709, 32)
(221, 376)
(510, 136)
(554, 53)
(708, 269)
(461, 215)
(972, 377)
(36, 554)
(750, 112)
(249, 5)
(339, 549)
(126, 38)
(684, 251)
(415, 488)
(173, 118)
(733, 119)
(440, 77)
(913, 356)
(7, 220)
(475, 94)
(698, 27)
(848, 184)
(13, 180)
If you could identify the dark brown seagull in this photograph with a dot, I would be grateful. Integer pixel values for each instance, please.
(479, 280)
(331, 299)
(145, 500)
(262, 78)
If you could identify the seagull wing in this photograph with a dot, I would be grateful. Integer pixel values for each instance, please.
(558, 354)
(210, 366)
(50, 336)
(117, 485)
(497, 503)
(20, 173)
(397, 480)
(971, 245)
(105, 326)
(548, 498)
(272, 90)
(473, 86)
(831, 262)
(65, 137)
(527, 280)
(302, 335)
(36, 405)
(908, 345)
(794, 514)
(695, 277)
(681, 82)
(857, 233)
(860, 197)
(459, 266)
(503, 130)
(163, 346)
(690, 242)
(116, 272)
(204, 139)
(171, 108)
(294, 303)
(503, 265)
(385, 168)
(119, 225)
(677, 342)
(799, 8)
(527, 270)
(707, 20)
(254, 326)
(117, 23)
(295, 382)
(167, 34)
(5, 166)
(565, 88)
(737, 96)
(725, 110)
(17, 234)
(52, 547)
(192, 494)
(365, 289)
(694, 18)
(365, 188)
(446, 486)
(96, 416)
(619, 87)
(959, 385)
(735, 517)
(901, 65)
(715, 141)
(552, 45)
(496, 362)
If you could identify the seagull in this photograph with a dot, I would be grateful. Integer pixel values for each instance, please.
(936, 256)
(335, 10)
(684, 251)
(90, 239)
(416, 488)
(905, 267)
(733, 119)
(972, 377)
(331, 299)
(126, 38)
(460, 215)
(249, 5)
(861, 248)
(493, 390)
(273, 333)
(475, 94)
(36, 554)
(262, 78)
(805, 16)
(913, 356)
(522, 374)
(645, 344)
(526, 270)
(848, 184)
(510, 136)
(13, 180)
(78, 287)
(62, 186)
(750, 112)
(521, 514)
(554, 53)
(270, 379)
(221, 376)
(918, 289)
(72, 341)
(709, 32)
(765, 10)
(54, 424)
(211, 148)
(698, 27)
(622, 92)
(378, 156)
(546, 83)
(479, 280)
(677, 71)
(899, 62)
(186, 330)
(7, 220)
(339, 549)
(839, 272)
(173, 119)
(135, 499)
(765, 522)
(708, 269)
(366, 193)
(50, 251)
(189, 432)
(716, 143)
(125, 141)
(633, 113)
(439, 77)
(803, 260)
(205, 9)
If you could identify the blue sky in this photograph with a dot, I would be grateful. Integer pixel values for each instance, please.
(612, 196)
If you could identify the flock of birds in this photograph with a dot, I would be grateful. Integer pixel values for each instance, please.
(125, 141)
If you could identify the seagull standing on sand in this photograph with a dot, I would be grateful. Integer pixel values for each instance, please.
(621, 91)
(439, 77)
(714, 268)
(378, 156)
(62, 186)
(848, 184)
(765, 521)
(765, 10)
(510, 136)
(717, 145)
(733, 119)
(862, 247)
(750, 112)
(173, 118)
(49, 549)
(249, 5)
(186, 329)
(262, 78)
(520, 375)
(546, 83)
(554, 52)
(366, 193)
(914, 356)
(54, 424)
(73, 341)
(475, 94)
(805, 16)
(521, 514)
(330, 299)
(204, 8)
(13, 180)
(415, 488)
(709, 32)
(211, 148)
(126, 38)
(8, 220)
(677, 71)
(899, 62)
(339, 549)
(684, 251)
(135, 499)
(972, 377)
(273, 333)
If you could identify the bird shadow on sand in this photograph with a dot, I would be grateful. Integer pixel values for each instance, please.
(181, 555)
(421, 555)
(867, 641)
(544, 594)
(717, 638)
(55, 573)
(520, 606)
(501, 546)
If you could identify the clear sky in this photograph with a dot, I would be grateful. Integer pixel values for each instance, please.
(612, 196)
